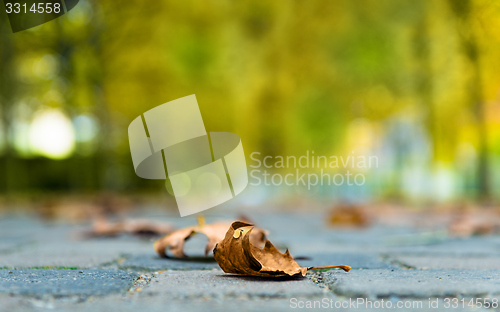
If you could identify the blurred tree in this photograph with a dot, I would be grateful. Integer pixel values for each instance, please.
(464, 12)
(8, 162)
(288, 77)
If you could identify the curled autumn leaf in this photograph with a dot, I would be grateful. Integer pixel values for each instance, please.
(215, 233)
(139, 227)
(349, 216)
(236, 254)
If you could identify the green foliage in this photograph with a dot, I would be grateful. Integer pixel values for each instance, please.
(286, 76)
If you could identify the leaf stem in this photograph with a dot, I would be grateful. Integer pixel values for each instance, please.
(343, 267)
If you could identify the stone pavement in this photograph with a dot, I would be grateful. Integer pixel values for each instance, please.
(50, 267)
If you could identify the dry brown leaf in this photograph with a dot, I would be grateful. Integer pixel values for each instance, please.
(349, 216)
(104, 227)
(236, 254)
(215, 233)
(468, 224)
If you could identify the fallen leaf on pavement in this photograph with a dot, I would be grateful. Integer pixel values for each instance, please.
(215, 233)
(236, 254)
(142, 227)
(469, 224)
(349, 216)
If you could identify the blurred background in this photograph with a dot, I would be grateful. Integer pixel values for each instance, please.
(415, 83)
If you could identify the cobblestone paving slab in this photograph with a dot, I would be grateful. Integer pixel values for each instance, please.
(217, 284)
(41, 283)
(484, 246)
(448, 263)
(80, 254)
(152, 262)
(354, 260)
(150, 304)
(412, 283)
(379, 255)
(60, 245)
(161, 304)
